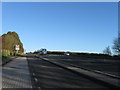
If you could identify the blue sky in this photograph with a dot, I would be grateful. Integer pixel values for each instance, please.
(75, 26)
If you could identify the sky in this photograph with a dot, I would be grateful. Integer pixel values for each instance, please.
(62, 26)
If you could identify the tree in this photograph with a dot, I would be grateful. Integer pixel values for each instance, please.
(107, 51)
(9, 41)
(116, 46)
(0, 42)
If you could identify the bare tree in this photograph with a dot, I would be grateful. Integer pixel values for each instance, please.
(107, 51)
(116, 46)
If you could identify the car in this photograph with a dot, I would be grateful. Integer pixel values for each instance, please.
(67, 53)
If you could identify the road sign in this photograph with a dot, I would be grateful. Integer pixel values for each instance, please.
(17, 47)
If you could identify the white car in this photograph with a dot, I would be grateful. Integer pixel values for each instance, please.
(66, 53)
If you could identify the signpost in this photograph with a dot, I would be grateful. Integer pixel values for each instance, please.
(17, 48)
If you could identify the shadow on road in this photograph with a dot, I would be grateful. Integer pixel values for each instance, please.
(52, 76)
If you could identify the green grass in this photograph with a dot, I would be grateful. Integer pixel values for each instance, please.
(4, 57)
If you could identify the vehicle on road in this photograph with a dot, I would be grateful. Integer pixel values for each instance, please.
(67, 53)
(43, 52)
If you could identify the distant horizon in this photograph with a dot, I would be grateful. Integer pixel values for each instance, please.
(54, 50)
(68, 51)
(57, 50)
(62, 26)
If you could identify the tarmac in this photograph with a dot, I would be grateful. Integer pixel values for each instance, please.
(112, 82)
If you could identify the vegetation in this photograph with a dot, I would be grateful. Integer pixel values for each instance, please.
(9, 41)
(116, 46)
(107, 51)
(0, 46)
(84, 55)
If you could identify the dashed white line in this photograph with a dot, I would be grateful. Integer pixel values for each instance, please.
(39, 88)
(36, 79)
(33, 74)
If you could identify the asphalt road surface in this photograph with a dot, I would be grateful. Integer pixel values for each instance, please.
(48, 75)
(105, 65)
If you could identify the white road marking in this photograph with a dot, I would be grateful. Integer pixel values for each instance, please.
(36, 79)
(39, 87)
(115, 76)
(33, 74)
(107, 74)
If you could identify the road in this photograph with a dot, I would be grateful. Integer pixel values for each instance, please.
(48, 75)
(105, 65)
(55, 71)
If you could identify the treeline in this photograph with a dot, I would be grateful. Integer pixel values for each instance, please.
(9, 41)
(87, 55)
(96, 55)
(0, 42)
